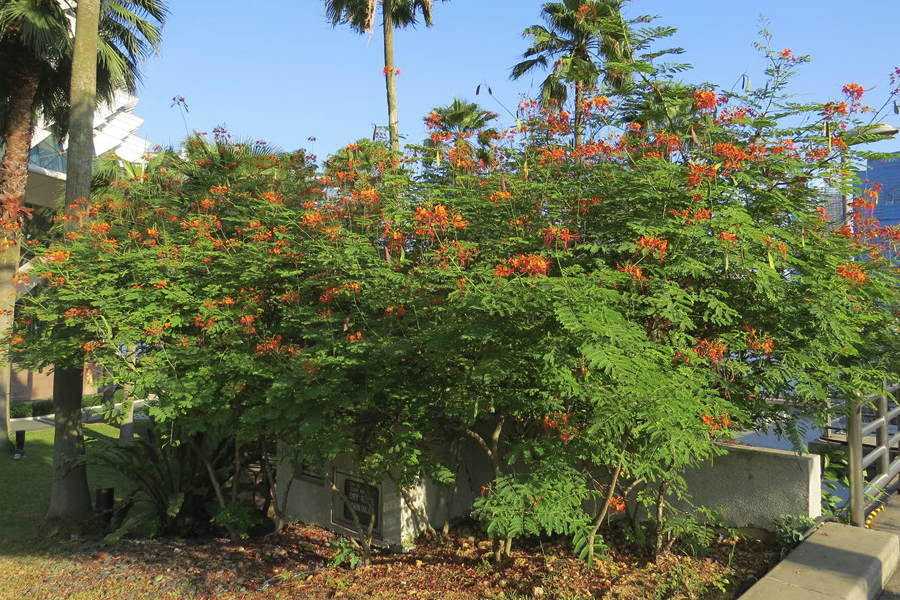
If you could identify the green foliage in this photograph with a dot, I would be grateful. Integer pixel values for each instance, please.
(789, 530)
(40, 408)
(531, 504)
(172, 493)
(239, 518)
(680, 580)
(835, 483)
(344, 552)
(18, 410)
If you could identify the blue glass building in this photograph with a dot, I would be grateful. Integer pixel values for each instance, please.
(887, 173)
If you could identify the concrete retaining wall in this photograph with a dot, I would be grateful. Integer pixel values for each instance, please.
(751, 487)
(748, 486)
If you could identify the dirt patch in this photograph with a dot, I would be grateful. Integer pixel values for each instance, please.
(294, 564)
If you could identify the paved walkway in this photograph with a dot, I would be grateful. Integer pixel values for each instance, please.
(888, 520)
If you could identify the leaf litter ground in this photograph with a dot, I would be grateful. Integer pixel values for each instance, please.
(294, 563)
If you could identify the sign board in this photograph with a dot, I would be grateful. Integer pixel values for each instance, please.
(363, 497)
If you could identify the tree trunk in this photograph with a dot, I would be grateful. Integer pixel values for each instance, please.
(70, 499)
(390, 75)
(579, 113)
(23, 84)
(9, 263)
(126, 427)
(80, 153)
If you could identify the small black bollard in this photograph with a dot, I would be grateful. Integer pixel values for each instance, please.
(20, 445)
(105, 500)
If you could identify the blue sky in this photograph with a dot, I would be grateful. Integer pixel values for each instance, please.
(276, 70)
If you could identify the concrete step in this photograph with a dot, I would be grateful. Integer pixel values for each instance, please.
(836, 562)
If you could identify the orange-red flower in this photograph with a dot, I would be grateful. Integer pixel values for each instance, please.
(706, 100)
(651, 244)
(531, 264)
(854, 90)
(852, 272)
(636, 272)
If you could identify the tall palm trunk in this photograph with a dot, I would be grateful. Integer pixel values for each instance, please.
(23, 83)
(390, 75)
(9, 263)
(579, 113)
(70, 499)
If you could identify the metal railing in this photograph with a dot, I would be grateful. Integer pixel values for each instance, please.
(859, 437)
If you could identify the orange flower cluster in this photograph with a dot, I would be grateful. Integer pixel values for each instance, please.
(272, 346)
(700, 173)
(499, 197)
(433, 120)
(617, 503)
(75, 313)
(312, 219)
(89, 347)
(532, 265)
(247, 323)
(635, 271)
(852, 272)
(437, 219)
(101, 228)
(156, 329)
(599, 103)
(666, 144)
(719, 423)
(703, 214)
(367, 196)
(714, 351)
(757, 343)
(563, 235)
(734, 157)
(464, 255)
(555, 156)
(650, 244)
(854, 90)
(56, 256)
(290, 297)
(706, 100)
(331, 292)
(831, 109)
(394, 311)
(274, 198)
(560, 422)
(726, 237)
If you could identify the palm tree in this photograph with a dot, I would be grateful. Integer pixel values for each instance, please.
(70, 498)
(581, 36)
(360, 15)
(460, 120)
(36, 48)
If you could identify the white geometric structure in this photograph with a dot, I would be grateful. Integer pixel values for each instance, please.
(115, 126)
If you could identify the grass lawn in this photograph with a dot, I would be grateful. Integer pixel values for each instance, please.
(25, 488)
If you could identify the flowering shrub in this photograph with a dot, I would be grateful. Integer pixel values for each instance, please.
(614, 307)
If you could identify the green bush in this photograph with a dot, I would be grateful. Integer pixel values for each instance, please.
(41, 408)
(19, 410)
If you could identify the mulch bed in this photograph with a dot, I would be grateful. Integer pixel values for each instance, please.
(294, 564)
